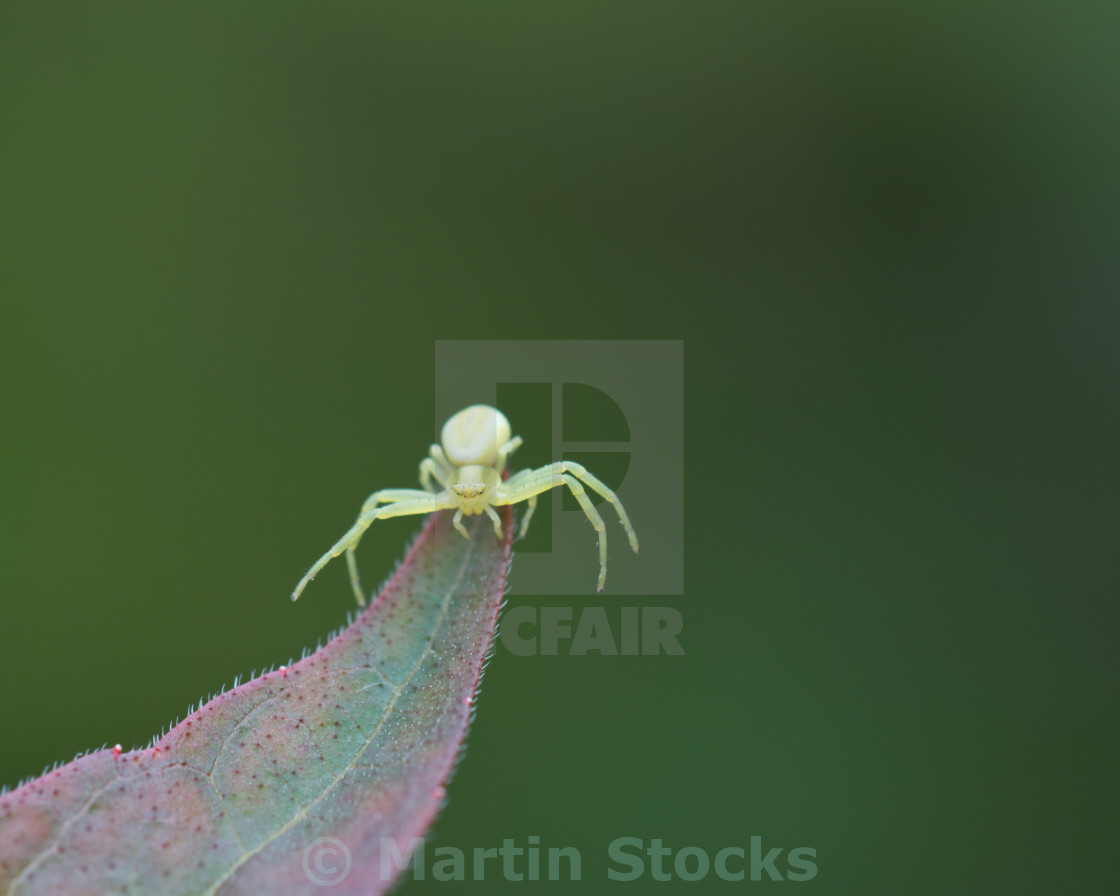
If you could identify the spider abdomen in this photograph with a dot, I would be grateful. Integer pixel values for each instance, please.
(474, 435)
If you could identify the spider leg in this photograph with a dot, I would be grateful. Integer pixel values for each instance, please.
(457, 522)
(528, 516)
(528, 487)
(435, 465)
(497, 522)
(402, 506)
(430, 470)
(505, 451)
(436, 451)
(580, 472)
(518, 477)
(385, 496)
(392, 496)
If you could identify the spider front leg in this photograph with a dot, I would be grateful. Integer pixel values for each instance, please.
(385, 496)
(542, 481)
(529, 483)
(555, 471)
(403, 503)
(393, 496)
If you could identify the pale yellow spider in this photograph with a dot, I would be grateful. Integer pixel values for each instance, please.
(468, 465)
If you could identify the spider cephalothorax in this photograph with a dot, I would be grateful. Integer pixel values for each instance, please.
(467, 465)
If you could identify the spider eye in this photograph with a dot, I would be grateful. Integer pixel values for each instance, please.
(469, 489)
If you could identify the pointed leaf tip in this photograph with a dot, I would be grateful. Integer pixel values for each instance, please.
(319, 774)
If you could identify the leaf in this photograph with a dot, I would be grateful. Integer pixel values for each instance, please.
(318, 774)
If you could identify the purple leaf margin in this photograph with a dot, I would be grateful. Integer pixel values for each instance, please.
(309, 779)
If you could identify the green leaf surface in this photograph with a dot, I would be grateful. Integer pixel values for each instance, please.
(318, 774)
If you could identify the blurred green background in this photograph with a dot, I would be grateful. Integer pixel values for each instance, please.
(887, 235)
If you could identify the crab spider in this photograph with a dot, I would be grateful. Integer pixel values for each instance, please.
(464, 473)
